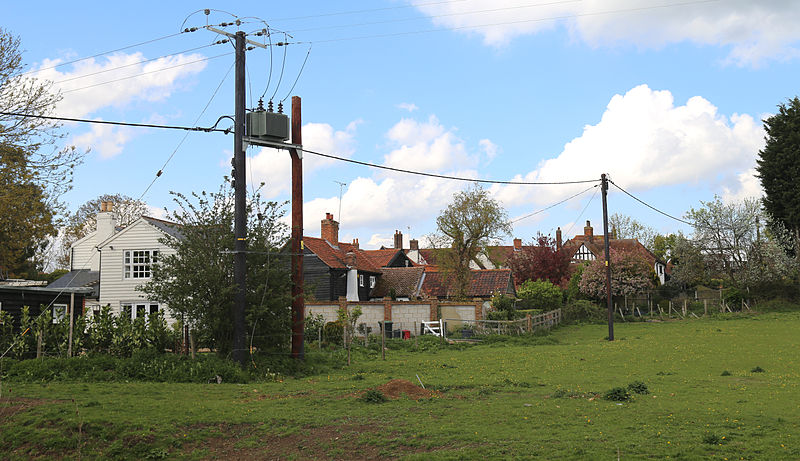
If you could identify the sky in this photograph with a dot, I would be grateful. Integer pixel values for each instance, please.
(666, 97)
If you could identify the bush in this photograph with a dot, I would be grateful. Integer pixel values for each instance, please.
(638, 387)
(333, 332)
(540, 294)
(583, 310)
(504, 308)
(373, 396)
(617, 394)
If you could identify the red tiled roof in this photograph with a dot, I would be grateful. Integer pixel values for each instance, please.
(485, 282)
(597, 246)
(336, 257)
(382, 258)
(404, 280)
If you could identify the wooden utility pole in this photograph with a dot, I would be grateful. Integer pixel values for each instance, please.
(71, 322)
(298, 302)
(239, 207)
(610, 307)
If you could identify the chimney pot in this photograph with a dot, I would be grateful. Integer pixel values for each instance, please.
(558, 238)
(588, 231)
(414, 244)
(329, 229)
(398, 240)
(517, 244)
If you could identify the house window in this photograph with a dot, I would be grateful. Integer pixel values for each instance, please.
(372, 281)
(140, 309)
(138, 263)
(59, 312)
(361, 280)
(584, 254)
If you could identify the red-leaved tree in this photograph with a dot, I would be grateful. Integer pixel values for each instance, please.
(541, 261)
(630, 274)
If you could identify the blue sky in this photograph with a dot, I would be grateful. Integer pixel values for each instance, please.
(665, 96)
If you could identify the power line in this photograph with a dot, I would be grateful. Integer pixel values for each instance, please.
(440, 176)
(107, 122)
(650, 206)
(148, 72)
(582, 212)
(521, 21)
(133, 64)
(553, 205)
(105, 52)
(422, 18)
(298, 74)
(186, 135)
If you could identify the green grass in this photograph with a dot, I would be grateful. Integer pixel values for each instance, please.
(540, 399)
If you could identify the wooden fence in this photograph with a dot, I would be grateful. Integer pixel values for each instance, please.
(528, 324)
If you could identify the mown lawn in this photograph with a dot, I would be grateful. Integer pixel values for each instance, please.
(488, 401)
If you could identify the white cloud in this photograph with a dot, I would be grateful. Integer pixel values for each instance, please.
(748, 186)
(753, 30)
(86, 86)
(104, 140)
(409, 106)
(489, 148)
(396, 199)
(274, 167)
(643, 141)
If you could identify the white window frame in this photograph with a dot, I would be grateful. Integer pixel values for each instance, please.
(372, 281)
(584, 254)
(361, 280)
(134, 306)
(62, 309)
(138, 264)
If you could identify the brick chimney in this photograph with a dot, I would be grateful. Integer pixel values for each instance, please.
(558, 238)
(330, 230)
(414, 244)
(355, 244)
(106, 222)
(588, 232)
(517, 244)
(398, 240)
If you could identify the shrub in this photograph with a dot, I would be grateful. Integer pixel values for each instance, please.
(725, 373)
(757, 370)
(373, 396)
(333, 332)
(540, 294)
(583, 310)
(638, 387)
(312, 325)
(504, 307)
(712, 439)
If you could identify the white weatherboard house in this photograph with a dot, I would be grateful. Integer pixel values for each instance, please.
(119, 260)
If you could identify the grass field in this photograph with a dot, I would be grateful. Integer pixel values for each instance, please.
(718, 389)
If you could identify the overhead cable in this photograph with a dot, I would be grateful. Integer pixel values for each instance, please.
(107, 122)
(650, 206)
(555, 204)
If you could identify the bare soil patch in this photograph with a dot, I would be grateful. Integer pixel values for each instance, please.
(396, 388)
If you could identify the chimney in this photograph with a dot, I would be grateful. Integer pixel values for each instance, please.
(517, 244)
(351, 259)
(398, 240)
(330, 230)
(588, 231)
(414, 244)
(355, 244)
(106, 223)
(558, 238)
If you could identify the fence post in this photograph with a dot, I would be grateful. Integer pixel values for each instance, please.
(705, 307)
(529, 322)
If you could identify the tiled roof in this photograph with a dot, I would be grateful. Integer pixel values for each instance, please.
(484, 284)
(597, 246)
(336, 257)
(170, 228)
(78, 278)
(406, 282)
(382, 258)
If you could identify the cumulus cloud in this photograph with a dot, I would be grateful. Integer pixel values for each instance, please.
(751, 30)
(117, 80)
(274, 167)
(105, 140)
(409, 106)
(644, 140)
(747, 185)
(394, 199)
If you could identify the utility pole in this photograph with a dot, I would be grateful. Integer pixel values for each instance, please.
(604, 189)
(240, 206)
(298, 302)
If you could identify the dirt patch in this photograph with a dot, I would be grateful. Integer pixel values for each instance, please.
(339, 441)
(396, 388)
(10, 406)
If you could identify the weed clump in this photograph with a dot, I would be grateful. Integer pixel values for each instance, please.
(638, 387)
(617, 394)
(725, 373)
(757, 370)
(373, 396)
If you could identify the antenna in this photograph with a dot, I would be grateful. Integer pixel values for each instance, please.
(341, 185)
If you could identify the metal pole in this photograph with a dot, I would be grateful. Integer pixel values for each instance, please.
(604, 188)
(298, 302)
(240, 207)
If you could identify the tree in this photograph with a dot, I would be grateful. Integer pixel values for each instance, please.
(36, 172)
(541, 260)
(197, 280)
(629, 228)
(84, 220)
(778, 169)
(630, 274)
(540, 294)
(725, 234)
(471, 223)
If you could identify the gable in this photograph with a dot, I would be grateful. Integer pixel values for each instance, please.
(142, 233)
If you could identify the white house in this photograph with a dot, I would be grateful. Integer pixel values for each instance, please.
(117, 261)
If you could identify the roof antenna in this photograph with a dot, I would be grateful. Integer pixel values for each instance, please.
(341, 185)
